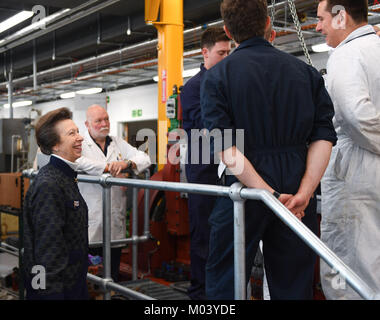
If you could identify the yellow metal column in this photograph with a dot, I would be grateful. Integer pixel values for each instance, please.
(170, 59)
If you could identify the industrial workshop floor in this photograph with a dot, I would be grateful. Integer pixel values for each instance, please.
(176, 291)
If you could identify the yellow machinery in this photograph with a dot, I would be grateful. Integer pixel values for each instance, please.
(169, 213)
(167, 17)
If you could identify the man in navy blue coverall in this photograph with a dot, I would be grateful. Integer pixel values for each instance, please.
(286, 113)
(215, 46)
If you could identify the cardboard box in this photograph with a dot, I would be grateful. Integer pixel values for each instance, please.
(10, 189)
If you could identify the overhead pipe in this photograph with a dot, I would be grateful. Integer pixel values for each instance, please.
(99, 38)
(132, 51)
(34, 66)
(25, 37)
(144, 47)
(27, 30)
(105, 56)
(47, 20)
(10, 91)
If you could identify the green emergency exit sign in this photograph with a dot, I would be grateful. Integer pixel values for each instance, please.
(136, 113)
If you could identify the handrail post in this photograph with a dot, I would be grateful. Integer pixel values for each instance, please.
(239, 242)
(238, 195)
(106, 199)
(146, 205)
(135, 221)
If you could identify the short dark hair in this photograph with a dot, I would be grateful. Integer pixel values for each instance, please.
(46, 133)
(357, 9)
(244, 19)
(211, 36)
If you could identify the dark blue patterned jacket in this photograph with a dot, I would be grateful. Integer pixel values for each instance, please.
(55, 235)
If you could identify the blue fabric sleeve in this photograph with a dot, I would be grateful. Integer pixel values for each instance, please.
(323, 128)
(216, 115)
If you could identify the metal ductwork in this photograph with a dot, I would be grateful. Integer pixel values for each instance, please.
(53, 22)
(145, 50)
(143, 54)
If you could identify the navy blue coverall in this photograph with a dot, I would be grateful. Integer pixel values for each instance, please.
(199, 206)
(283, 106)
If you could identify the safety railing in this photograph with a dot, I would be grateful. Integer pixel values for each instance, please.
(9, 249)
(106, 283)
(238, 195)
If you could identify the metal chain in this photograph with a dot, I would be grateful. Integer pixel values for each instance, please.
(272, 12)
(297, 24)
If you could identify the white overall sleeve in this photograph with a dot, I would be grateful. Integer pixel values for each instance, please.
(140, 158)
(90, 166)
(355, 111)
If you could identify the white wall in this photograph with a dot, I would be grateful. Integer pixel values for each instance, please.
(122, 102)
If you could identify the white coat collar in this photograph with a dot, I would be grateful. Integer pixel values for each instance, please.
(88, 138)
(91, 143)
(357, 33)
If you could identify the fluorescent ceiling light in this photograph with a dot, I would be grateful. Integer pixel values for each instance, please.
(129, 27)
(185, 73)
(15, 20)
(90, 91)
(42, 23)
(19, 104)
(67, 95)
(322, 47)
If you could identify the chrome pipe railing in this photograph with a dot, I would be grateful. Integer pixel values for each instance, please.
(108, 285)
(134, 240)
(106, 197)
(135, 223)
(119, 242)
(9, 249)
(239, 242)
(306, 235)
(146, 206)
(239, 194)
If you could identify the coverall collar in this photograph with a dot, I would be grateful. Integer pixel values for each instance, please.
(254, 41)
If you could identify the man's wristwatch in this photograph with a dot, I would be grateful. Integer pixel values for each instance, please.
(276, 194)
(129, 164)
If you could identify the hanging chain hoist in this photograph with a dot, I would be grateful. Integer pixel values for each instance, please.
(297, 24)
(273, 12)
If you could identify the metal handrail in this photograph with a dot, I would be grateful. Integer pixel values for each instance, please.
(9, 249)
(238, 194)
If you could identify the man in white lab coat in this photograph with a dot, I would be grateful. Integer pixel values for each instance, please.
(350, 188)
(104, 153)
